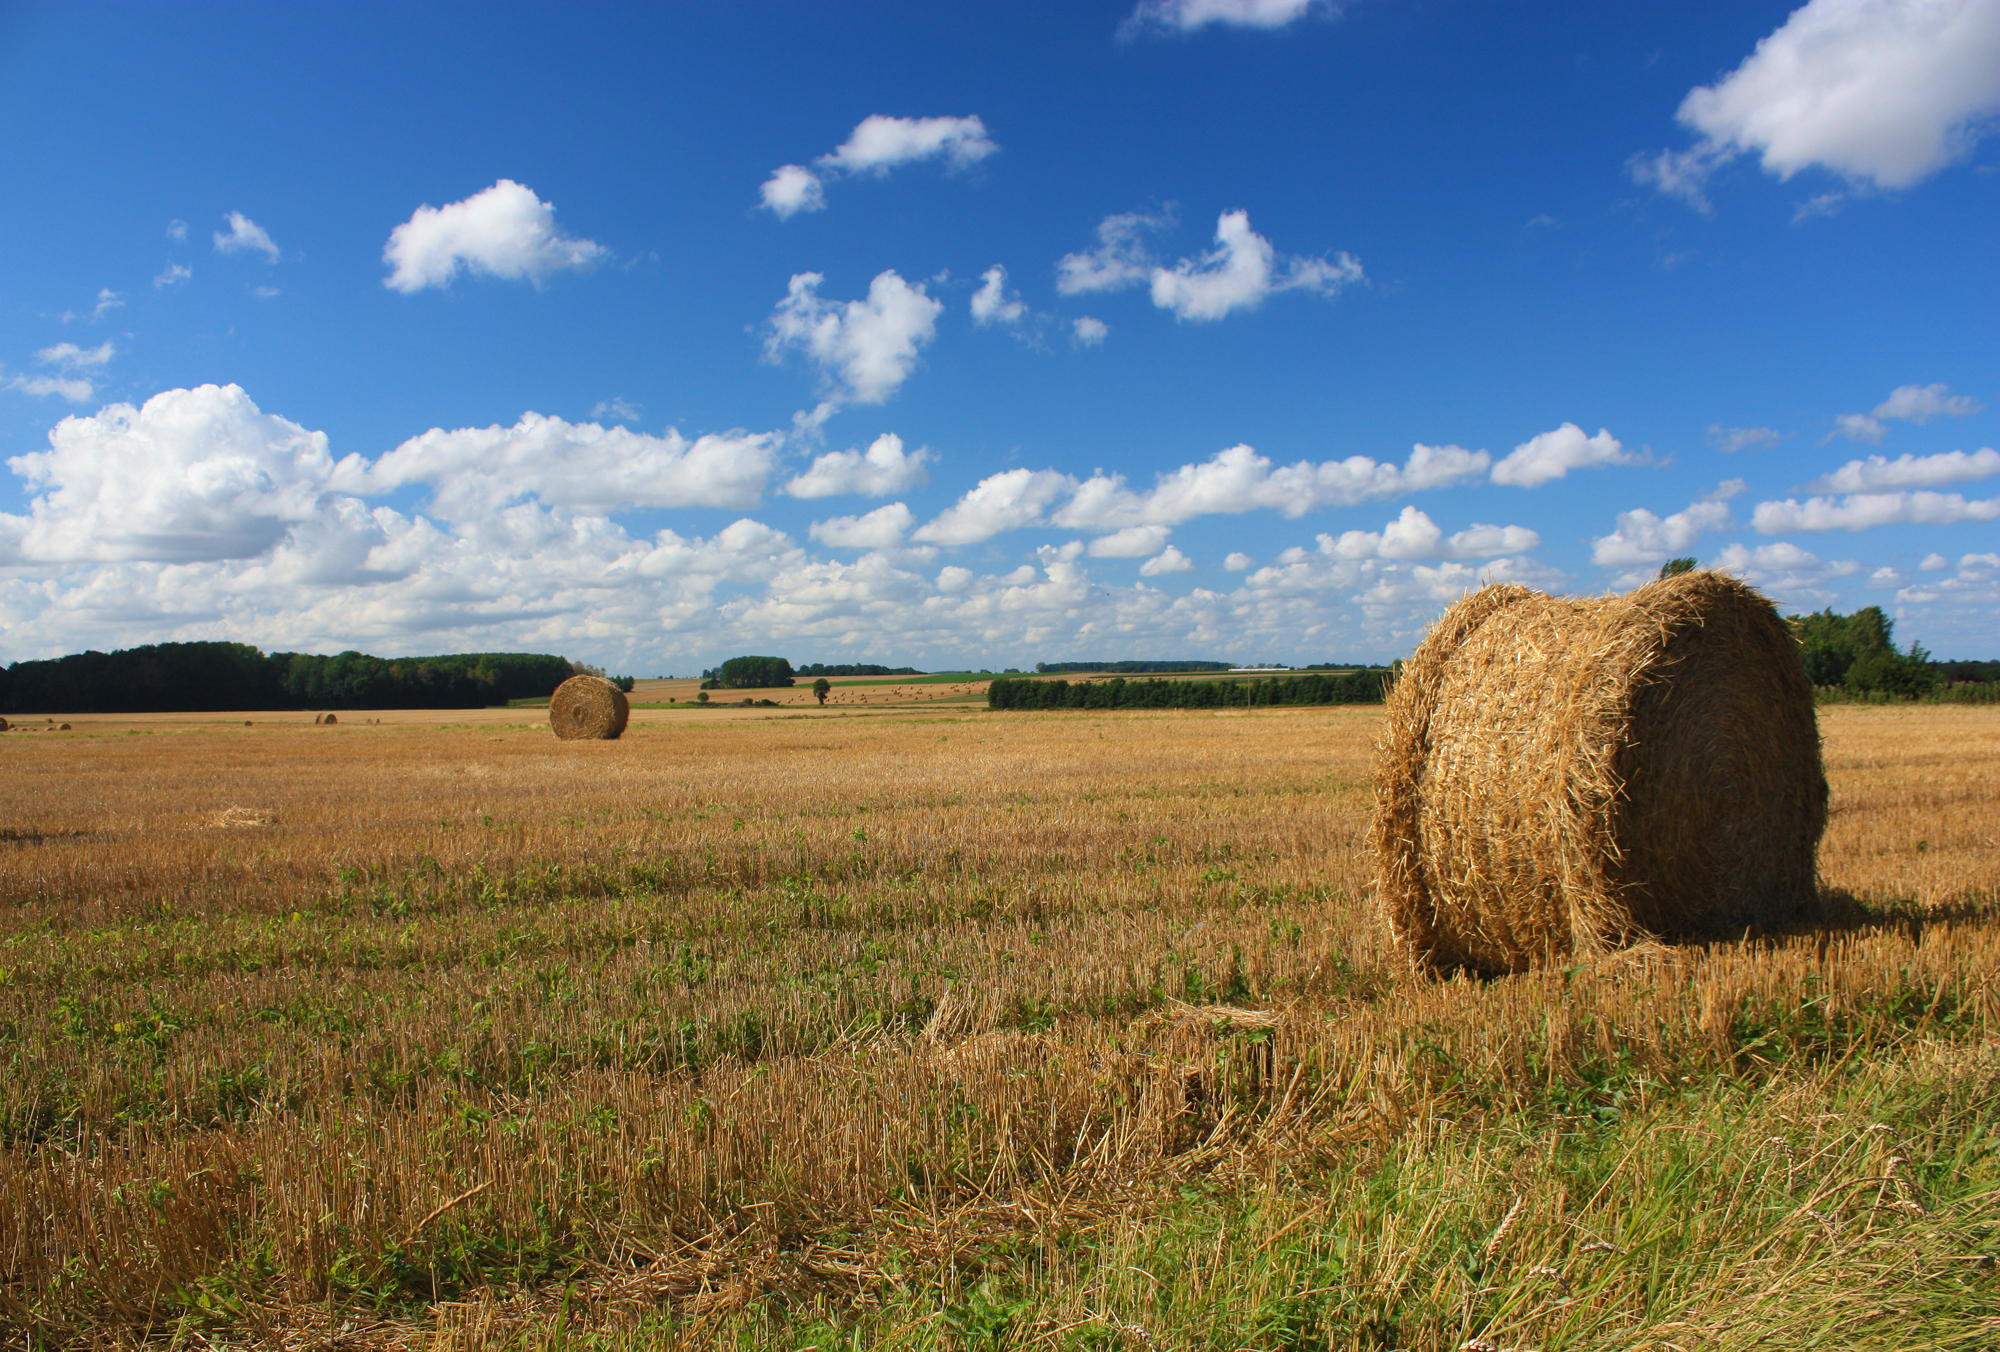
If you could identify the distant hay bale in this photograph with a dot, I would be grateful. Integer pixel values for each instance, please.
(587, 707)
(330, 720)
(1563, 777)
(3, 725)
(63, 728)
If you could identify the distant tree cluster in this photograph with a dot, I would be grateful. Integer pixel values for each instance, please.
(1361, 687)
(1857, 654)
(201, 677)
(1128, 668)
(750, 673)
(855, 669)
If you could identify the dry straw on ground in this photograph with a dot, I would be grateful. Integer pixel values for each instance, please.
(588, 707)
(1561, 777)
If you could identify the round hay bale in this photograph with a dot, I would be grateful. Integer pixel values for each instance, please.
(331, 720)
(3, 725)
(1561, 777)
(587, 707)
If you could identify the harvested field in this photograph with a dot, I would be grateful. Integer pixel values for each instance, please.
(934, 1028)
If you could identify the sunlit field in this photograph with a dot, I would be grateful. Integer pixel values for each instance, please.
(914, 1025)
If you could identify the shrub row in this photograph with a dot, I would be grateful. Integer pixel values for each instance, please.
(1361, 687)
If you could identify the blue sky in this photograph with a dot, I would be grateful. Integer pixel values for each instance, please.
(652, 335)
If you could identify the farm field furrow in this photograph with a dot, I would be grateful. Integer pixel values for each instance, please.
(941, 1028)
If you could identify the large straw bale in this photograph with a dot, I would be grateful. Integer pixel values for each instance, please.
(1560, 777)
(587, 707)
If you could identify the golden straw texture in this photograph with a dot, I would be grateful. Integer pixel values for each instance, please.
(588, 707)
(1559, 777)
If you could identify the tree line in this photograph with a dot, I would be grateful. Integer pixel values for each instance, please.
(1857, 655)
(1360, 687)
(208, 677)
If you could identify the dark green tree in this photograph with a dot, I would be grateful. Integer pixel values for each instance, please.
(820, 689)
(1675, 567)
(755, 673)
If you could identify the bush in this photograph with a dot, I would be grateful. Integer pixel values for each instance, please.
(755, 673)
(1361, 687)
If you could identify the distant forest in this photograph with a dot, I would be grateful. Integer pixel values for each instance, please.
(206, 677)
(1855, 655)
(855, 669)
(1129, 668)
(1361, 687)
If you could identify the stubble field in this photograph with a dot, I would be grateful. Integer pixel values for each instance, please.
(939, 1028)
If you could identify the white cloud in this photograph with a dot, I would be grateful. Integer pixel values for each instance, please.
(1168, 560)
(875, 146)
(884, 468)
(990, 304)
(883, 528)
(793, 188)
(263, 292)
(75, 389)
(1088, 332)
(616, 409)
(177, 231)
(865, 348)
(1134, 542)
(173, 275)
(1239, 562)
(1122, 257)
(503, 231)
(1726, 490)
(1730, 440)
(1820, 204)
(1187, 16)
(71, 357)
(1933, 562)
(1863, 511)
(1643, 537)
(1551, 455)
(1240, 480)
(1241, 271)
(1908, 471)
(1882, 92)
(878, 144)
(1906, 403)
(1000, 502)
(107, 300)
(476, 471)
(245, 233)
(1885, 577)
(1413, 535)
(193, 474)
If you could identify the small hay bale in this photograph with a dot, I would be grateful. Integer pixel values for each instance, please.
(63, 728)
(3, 725)
(588, 707)
(1565, 777)
(330, 720)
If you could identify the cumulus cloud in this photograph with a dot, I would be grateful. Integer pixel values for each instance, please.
(865, 349)
(793, 188)
(192, 474)
(1088, 332)
(1238, 562)
(875, 146)
(75, 389)
(1933, 562)
(1909, 471)
(990, 304)
(107, 301)
(177, 231)
(1552, 455)
(1730, 440)
(1000, 502)
(243, 234)
(70, 357)
(1122, 258)
(503, 231)
(1413, 535)
(476, 471)
(1239, 480)
(1168, 560)
(1882, 92)
(1241, 271)
(1906, 403)
(1643, 537)
(883, 528)
(1134, 542)
(1187, 16)
(1864, 511)
(173, 275)
(616, 409)
(884, 468)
